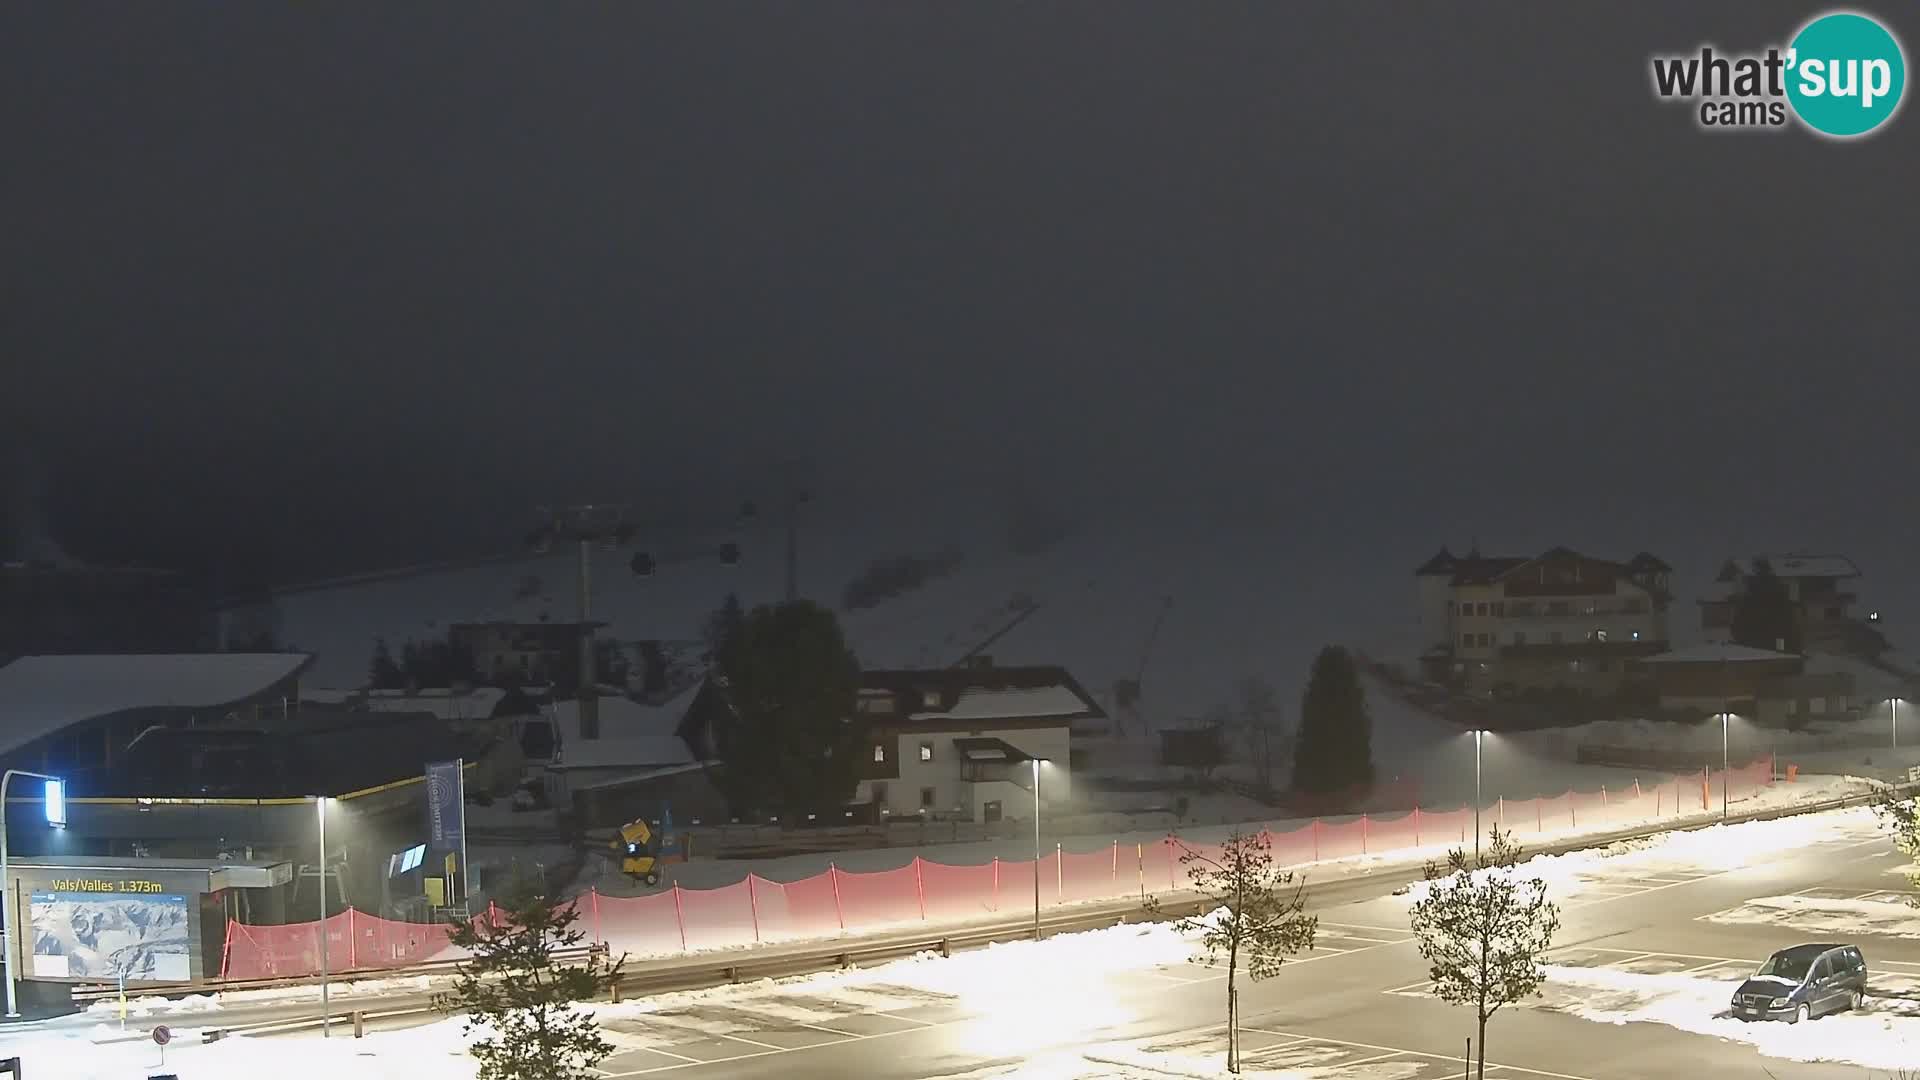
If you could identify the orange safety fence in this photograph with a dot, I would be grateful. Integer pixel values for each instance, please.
(757, 910)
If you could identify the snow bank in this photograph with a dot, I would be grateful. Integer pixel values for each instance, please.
(1711, 849)
(1827, 917)
(1883, 1034)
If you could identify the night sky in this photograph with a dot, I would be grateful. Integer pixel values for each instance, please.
(298, 289)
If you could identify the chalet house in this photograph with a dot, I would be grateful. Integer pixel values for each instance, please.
(1773, 688)
(1816, 585)
(960, 742)
(1508, 624)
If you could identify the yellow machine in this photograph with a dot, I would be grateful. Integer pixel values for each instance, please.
(639, 857)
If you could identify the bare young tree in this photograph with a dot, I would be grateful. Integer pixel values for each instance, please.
(1482, 931)
(1268, 738)
(1250, 908)
(1900, 818)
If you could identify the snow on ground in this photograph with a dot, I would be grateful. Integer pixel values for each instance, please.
(1710, 849)
(1884, 1034)
(1063, 984)
(1827, 916)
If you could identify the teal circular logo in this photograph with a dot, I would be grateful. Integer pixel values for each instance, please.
(1846, 75)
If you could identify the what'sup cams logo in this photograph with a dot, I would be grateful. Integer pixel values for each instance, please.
(1842, 76)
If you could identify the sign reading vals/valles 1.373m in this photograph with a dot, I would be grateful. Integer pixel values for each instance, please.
(444, 794)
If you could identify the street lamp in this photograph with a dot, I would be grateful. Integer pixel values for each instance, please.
(326, 1013)
(1727, 719)
(1895, 702)
(1037, 762)
(56, 806)
(1477, 734)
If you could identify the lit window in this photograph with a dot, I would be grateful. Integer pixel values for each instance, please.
(926, 751)
(880, 753)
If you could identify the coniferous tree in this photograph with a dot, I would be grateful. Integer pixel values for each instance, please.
(382, 672)
(1333, 751)
(791, 739)
(520, 1001)
(1763, 615)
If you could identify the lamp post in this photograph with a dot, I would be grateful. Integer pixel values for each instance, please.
(1727, 719)
(326, 1013)
(1895, 702)
(1477, 733)
(56, 797)
(1037, 762)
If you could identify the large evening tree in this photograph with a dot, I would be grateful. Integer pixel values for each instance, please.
(1333, 751)
(1763, 615)
(791, 739)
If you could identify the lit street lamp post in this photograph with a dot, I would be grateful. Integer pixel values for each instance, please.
(56, 805)
(326, 1013)
(1895, 702)
(1727, 719)
(1037, 762)
(1476, 795)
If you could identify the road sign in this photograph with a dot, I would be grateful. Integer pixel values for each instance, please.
(162, 1035)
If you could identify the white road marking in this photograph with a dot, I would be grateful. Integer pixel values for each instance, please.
(1394, 1051)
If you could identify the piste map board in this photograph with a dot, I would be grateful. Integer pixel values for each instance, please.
(95, 929)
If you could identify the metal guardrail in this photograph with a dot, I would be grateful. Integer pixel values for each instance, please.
(703, 972)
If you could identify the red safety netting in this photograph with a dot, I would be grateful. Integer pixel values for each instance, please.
(636, 925)
(959, 893)
(795, 910)
(758, 910)
(882, 898)
(1090, 875)
(718, 918)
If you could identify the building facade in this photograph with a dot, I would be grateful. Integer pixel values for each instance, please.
(1560, 620)
(960, 743)
(1773, 688)
(1817, 585)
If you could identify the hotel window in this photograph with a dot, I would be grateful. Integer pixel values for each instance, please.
(926, 751)
(879, 754)
(926, 798)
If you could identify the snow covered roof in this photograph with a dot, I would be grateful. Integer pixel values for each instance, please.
(475, 704)
(1011, 704)
(1804, 565)
(40, 695)
(1717, 653)
(632, 734)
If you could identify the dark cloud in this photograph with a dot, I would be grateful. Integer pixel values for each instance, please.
(327, 288)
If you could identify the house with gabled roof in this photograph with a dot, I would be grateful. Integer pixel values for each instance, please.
(1557, 620)
(1818, 586)
(959, 742)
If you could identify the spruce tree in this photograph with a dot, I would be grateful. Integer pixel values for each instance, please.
(1763, 615)
(1334, 749)
(520, 1001)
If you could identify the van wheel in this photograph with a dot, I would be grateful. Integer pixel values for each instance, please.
(1853, 1000)
(1799, 1014)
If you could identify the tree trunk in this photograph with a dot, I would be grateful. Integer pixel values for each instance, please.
(1481, 1069)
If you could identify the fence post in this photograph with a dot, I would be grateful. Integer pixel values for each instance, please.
(1363, 834)
(1539, 822)
(1316, 839)
(1059, 876)
(226, 950)
(1140, 864)
(1706, 789)
(753, 906)
(1416, 824)
(353, 943)
(1603, 794)
(996, 883)
(1170, 862)
(1658, 804)
(919, 888)
(1113, 883)
(593, 908)
(1573, 812)
(680, 916)
(833, 878)
(1502, 803)
(1636, 787)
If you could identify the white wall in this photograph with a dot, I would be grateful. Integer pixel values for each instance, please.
(953, 795)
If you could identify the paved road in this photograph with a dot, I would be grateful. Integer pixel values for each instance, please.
(1358, 1000)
